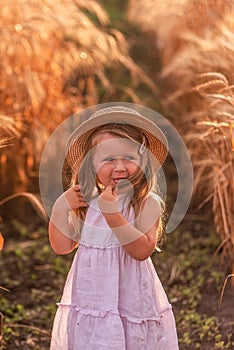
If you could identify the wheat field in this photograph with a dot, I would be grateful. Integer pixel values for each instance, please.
(194, 40)
(54, 58)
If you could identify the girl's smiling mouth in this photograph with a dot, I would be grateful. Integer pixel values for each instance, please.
(118, 179)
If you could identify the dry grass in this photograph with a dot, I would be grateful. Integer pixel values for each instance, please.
(34, 201)
(170, 20)
(195, 41)
(213, 136)
(52, 54)
(8, 128)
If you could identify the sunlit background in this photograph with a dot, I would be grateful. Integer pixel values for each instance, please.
(174, 56)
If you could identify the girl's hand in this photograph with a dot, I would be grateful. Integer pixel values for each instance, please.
(108, 201)
(70, 200)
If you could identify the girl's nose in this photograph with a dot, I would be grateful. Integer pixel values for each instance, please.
(120, 165)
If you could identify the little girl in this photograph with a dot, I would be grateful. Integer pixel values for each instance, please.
(113, 298)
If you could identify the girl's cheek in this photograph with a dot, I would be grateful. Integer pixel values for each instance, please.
(102, 168)
(134, 166)
(98, 167)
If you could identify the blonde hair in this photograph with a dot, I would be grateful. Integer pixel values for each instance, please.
(143, 181)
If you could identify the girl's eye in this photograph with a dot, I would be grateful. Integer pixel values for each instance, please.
(109, 159)
(129, 158)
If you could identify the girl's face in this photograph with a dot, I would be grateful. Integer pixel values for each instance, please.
(115, 159)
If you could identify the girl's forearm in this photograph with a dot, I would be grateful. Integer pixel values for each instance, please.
(60, 233)
(137, 244)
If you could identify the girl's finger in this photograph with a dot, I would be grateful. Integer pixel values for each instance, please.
(83, 204)
(82, 200)
(108, 188)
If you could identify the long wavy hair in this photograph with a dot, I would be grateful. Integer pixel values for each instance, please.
(143, 181)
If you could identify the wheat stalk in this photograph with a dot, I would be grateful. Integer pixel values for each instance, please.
(36, 203)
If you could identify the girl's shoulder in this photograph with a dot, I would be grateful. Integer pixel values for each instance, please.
(152, 204)
(155, 200)
(150, 213)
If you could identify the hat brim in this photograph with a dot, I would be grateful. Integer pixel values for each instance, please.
(158, 145)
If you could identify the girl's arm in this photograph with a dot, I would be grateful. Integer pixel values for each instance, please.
(60, 243)
(138, 242)
(61, 230)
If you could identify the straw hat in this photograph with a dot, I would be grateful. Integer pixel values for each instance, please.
(158, 145)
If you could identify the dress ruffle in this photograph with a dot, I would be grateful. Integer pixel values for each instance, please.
(103, 314)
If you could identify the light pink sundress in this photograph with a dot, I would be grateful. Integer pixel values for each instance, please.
(110, 300)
